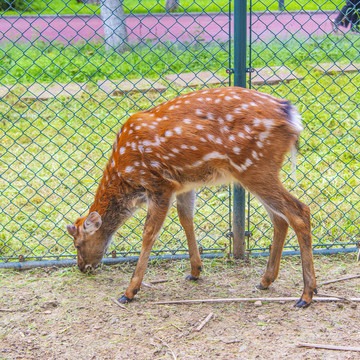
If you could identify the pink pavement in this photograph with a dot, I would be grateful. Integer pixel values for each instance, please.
(179, 27)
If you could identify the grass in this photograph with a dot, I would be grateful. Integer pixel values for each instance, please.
(130, 6)
(53, 151)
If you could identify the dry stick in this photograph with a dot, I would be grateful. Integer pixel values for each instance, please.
(158, 281)
(248, 300)
(333, 296)
(336, 280)
(164, 343)
(329, 347)
(204, 322)
(231, 342)
(143, 283)
(8, 310)
(120, 305)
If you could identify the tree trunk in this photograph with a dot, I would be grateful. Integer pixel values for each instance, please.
(113, 16)
(172, 5)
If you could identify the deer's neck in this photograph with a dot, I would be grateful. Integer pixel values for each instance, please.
(115, 201)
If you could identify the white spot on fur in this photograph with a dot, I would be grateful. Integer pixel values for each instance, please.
(198, 112)
(192, 147)
(247, 129)
(241, 135)
(229, 117)
(236, 150)
(217, 101)
(259, 144)
(168, 133)
(264, 135)
(268, 123)
(210, 137)
(248, 162)
(175, 150)
(256, 122)
(183, 146)
(231, 138)
(214, 155)
(155, 164)
(187, 121)
(255, 155)
(129, 169)
(199, 127)
(244, 106)
(121, 150)
(178, 130)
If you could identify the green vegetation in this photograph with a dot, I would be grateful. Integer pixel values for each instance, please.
(146, 6)
(53, 151)
(48, 62)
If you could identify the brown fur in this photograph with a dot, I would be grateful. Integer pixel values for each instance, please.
(202, 138)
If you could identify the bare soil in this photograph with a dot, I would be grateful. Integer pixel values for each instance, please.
(62, 314)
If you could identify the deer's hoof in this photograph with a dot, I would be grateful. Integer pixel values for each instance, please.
(124, 300)
(302, 304)
(191, 278)
(261, 287)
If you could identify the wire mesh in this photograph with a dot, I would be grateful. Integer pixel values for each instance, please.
(306, 57)
(67, 84)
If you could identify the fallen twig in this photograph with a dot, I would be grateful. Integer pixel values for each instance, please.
(148, 285)
(204, 322)
(158, 281)
(164, 343)
(337, 280)
(328, 347)
(8, 310)
(279, 299)
(120, 305)
(176, 327)
(333, 296)
(231, 342)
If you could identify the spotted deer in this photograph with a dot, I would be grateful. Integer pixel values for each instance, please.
(202, 138)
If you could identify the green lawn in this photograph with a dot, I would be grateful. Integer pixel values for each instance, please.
(53, 152)
(145, 6)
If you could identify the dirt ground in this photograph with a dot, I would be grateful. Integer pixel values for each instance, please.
(63, 314)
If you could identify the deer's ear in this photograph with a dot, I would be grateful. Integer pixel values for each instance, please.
(72, 229)
(92, 223)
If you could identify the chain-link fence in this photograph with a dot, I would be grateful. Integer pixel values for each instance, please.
(68, 81)
(312, 59)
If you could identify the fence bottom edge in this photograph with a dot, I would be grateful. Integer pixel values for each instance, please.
(27, 265)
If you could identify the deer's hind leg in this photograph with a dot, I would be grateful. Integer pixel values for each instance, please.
(280, 231)
(185, 203)
(281, 203)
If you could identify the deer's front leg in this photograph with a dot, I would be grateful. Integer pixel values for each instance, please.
(157, 209)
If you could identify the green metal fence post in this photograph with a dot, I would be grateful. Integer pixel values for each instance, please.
(240, 28)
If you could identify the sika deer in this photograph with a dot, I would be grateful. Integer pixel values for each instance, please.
(205, 137)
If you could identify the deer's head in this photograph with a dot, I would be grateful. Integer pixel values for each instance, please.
(88, 240)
